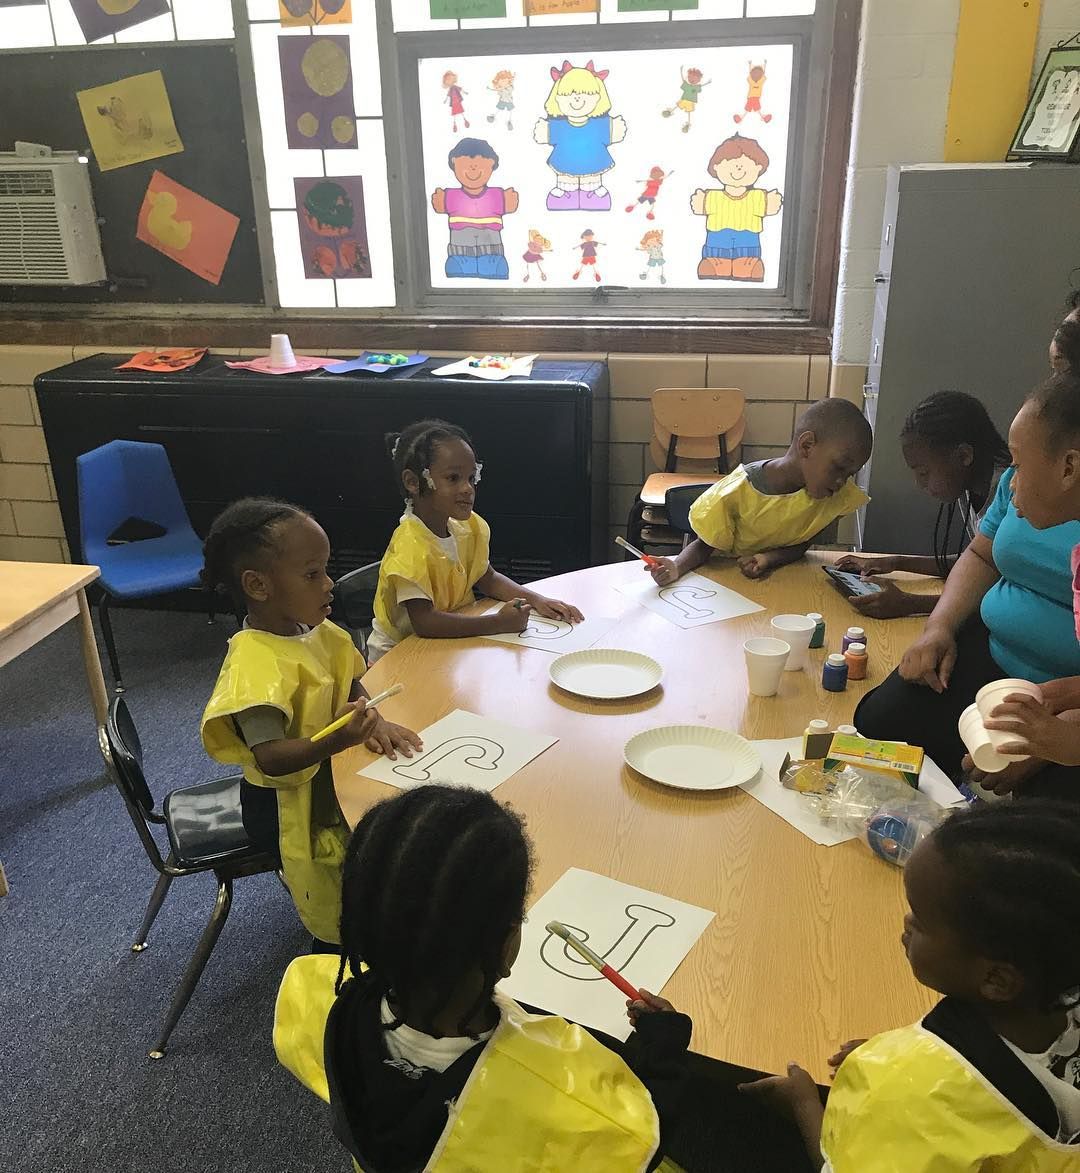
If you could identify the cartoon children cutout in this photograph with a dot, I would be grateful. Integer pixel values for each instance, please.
(579, 128)
(755, 84)
(735, 212)
(657, 175)
(454, 96)
(652, 244)
(503, 85)
(588, 246)
(533, 254)
(692, 85)
(476, 213)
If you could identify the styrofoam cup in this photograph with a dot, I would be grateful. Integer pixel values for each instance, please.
(796, 630)
(281, 351)
(765, 660)
(976, 737)
(993, 694)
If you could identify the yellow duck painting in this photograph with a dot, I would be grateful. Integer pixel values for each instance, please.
(162, 223)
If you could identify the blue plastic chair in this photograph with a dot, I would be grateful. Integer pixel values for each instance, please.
(120, 481)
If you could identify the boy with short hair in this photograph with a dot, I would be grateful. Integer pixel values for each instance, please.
(768, 513)
(476, 212)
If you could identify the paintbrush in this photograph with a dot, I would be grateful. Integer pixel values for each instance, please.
(342, 721)
(597, 962)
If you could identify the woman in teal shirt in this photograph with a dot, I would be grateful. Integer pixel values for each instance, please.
(1006, 610)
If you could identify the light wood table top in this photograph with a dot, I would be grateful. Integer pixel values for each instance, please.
(804, 950)
(28, 589)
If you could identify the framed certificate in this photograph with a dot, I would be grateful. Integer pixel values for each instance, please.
(1050, 126)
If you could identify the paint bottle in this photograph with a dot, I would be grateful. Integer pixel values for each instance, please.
(853, 635)
(817, 738)
(856, 658)
(817, 640)
(834, 673)
(847, 730)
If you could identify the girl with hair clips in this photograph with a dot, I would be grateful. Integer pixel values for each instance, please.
(957, 456)
(287, 674)
(990, 1079)
(439, 552)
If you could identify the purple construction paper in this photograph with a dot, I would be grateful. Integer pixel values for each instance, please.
(316, 81)
(333, 227)
(96, 23)
(362, 364)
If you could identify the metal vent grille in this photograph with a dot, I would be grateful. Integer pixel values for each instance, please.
(28, 182)
(31, 242)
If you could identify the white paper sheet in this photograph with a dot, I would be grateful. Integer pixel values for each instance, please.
(553, 635)
(793, 808)
(643, 935)
(463, 750)
(519, 367)
(693, 601)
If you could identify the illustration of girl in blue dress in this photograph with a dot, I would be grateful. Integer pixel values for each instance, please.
(579, 128)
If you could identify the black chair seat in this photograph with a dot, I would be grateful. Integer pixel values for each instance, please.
(205, 824)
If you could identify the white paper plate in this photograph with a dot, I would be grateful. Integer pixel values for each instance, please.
(606, 673)
(693, 757)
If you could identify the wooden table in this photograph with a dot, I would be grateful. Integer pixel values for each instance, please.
(35, 599)
(804, 951)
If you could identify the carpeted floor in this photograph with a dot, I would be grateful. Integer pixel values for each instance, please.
(78, 1009)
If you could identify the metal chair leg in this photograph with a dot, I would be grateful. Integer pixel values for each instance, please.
(110, 642)
(157, 898)
(196, 965)
(634, 526)
(211, 606)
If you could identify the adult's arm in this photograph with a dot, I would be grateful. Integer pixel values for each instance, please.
(931, 658)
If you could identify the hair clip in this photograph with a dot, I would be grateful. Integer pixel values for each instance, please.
(429, 480)
(1067, 999)
(393, 451)
(479, 470)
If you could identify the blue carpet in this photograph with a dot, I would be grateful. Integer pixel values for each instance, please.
(78, 1009)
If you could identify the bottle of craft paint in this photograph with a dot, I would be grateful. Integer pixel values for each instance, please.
(853, 635)
(816, 740)
(834, 673)
(856, 658)
(847, 730)
(817, 640)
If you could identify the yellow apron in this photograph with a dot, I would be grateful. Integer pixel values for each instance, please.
(907, 1102)
(542, 1087)
(309, 678)
(414, 556)
(734, 518)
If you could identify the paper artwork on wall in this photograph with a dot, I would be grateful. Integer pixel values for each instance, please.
(333, 227)
(656, 5)
(316, 80)
(187, 228)
(559, 7)
(102, 18)
(303, 13)
(466, 9)
(129, 120)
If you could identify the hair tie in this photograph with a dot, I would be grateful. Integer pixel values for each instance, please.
(393, 450)
(1067, 999)
(429, 480)
(479, 470)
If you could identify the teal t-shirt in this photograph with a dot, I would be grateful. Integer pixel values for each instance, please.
(1029, 610)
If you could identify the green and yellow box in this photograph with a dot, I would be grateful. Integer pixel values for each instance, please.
(891, 758)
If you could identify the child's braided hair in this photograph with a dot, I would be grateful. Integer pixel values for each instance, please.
(413, 450)
(242, 532)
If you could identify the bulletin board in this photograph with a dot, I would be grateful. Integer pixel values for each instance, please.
(38, 104)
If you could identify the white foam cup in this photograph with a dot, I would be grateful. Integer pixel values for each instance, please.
(281, 351)
(796, 630)
(976, 737)
(765, 660)
(993, 694)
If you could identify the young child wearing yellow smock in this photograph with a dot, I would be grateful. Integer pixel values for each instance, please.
(769, 513)
(287, 674)
(439, 553)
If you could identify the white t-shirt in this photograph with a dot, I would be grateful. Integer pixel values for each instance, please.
(410, 1049)
(1058, 1070)
(380, 641)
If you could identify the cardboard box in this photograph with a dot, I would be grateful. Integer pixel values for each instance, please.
(890, 758)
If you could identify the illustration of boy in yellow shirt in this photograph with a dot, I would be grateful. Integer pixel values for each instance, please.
(735, 212)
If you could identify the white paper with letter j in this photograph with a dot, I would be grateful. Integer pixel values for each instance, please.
(643, 935)
(693, 601)
(463, 750)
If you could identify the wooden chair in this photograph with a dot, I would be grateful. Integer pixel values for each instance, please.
(696, 431)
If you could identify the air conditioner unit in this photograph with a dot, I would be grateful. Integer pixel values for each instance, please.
(48, 226)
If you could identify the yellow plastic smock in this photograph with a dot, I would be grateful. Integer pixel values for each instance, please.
(907, 1102)
(415, 557)
(542, 1087)
(308, 678)
(734, 518)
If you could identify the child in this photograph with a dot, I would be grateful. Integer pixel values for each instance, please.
(1065, 347)
(652, 244)
(770, 512)
(990, 1079)
(454, 96)
(439, 552)
(475, 212)
(657, 175)
(755, 84)
(692, 85)
(588, 246)
(534, 253)
(735, 212)
(579, 127)
(503, 85)
(288, 674)
(957, 455)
